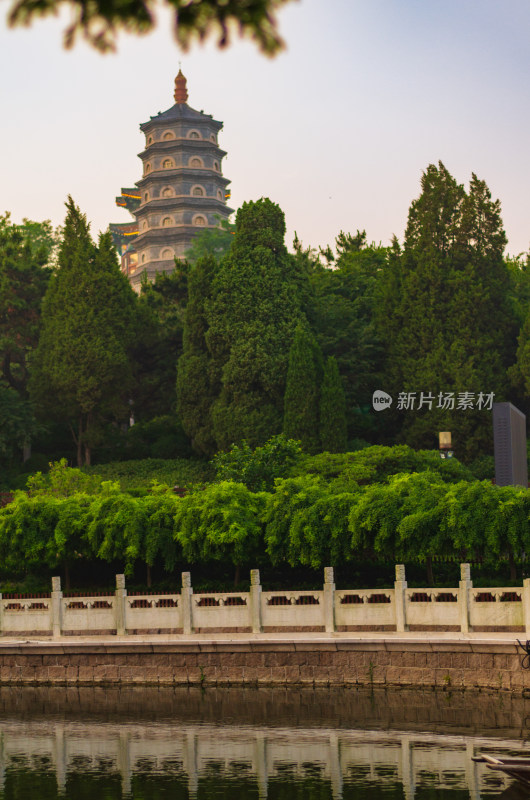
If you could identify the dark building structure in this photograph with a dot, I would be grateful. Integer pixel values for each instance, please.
(182, 189)
(509, 439)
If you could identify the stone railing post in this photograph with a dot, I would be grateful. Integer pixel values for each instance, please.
(464, 596)
(255, 601)
(329, 600)
(526, 606)
(120, 606)
(186, 603)
(57, 607)
(400, 599)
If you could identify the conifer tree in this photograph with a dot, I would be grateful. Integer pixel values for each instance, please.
(304, 373)
(445, 314)
(161, 312)
(196, 391)
(345, 297)
(23, 280)
(82, 365)
(24, 253)
(333, 435)
(252, 317)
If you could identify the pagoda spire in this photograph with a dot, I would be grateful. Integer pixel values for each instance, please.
(181, 92)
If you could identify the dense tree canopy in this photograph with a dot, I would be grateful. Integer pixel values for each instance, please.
(311, 511)
(258, 341)
(258, 469)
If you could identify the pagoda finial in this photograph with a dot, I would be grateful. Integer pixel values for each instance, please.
(181, 92)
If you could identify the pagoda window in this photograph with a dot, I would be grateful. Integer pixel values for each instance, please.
(196, 162)
(146, 197)
(219, 194)
(199, 220)
(167, 192)
(168, 135)
(198, 191)
(194, 135)
(144, 225)
(212, 138)
(216, 166)
(147, 168)
(167, 253)
(149, 140)
(167, 222)
(167, 163)
(143, 258)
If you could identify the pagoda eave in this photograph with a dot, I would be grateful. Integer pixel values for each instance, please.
(208, 204)
(201, 145)
(167, 119)
(172, 235)
(197, 173)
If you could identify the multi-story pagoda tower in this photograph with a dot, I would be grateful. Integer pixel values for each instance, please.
(182, 189)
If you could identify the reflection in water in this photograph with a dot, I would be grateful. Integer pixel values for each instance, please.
(154, 744)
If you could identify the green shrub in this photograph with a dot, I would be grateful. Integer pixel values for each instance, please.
(134, 475)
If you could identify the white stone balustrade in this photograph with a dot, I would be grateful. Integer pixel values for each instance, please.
(401, 609)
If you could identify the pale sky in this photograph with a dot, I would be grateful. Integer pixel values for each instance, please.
(336, 130)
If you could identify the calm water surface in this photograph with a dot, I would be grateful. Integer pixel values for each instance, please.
(153, 744)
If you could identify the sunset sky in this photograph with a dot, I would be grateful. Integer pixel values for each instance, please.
(336, 130)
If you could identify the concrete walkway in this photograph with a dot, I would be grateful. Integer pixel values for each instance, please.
(364, 637)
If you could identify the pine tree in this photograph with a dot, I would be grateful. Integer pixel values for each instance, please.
(82, 365)
(304, 373)
(196, 391)
(445, 314)
(23, 280)
(333, 435)
(520, 371)
(345, 299)
(252, 317)
(161, 312)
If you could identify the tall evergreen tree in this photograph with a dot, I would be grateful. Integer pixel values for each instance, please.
(212, 241)
(333, 433)
(161, 313)
(343, 319)
(82, 364)
(24, 251)
(445, 312)
(24, 254)
(520, 371)
(302, 390)
(252, 317)
(196, 391)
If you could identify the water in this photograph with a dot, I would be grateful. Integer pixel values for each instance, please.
(249, 744)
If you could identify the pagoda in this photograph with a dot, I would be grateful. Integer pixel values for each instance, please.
(182, 189)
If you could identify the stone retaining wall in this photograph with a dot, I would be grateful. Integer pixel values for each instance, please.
(324, 662)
